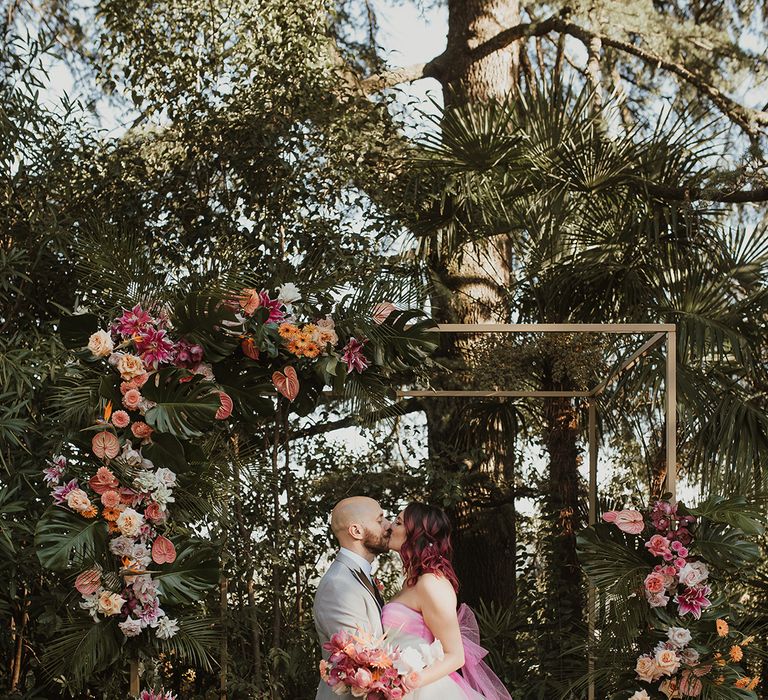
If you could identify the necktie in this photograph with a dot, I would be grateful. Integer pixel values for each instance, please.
(370, 586)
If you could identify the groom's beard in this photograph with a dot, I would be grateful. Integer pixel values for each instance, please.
(376, 544)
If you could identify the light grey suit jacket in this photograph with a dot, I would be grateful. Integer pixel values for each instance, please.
(342, 602)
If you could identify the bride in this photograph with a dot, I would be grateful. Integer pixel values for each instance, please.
(425, 610)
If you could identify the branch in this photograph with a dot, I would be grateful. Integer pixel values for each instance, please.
(399, 409)
(756, 194)
(447, 67)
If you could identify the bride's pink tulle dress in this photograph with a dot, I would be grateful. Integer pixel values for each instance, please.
(476, 681)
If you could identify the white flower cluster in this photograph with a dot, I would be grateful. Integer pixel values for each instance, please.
(413, 659)
(157, 485)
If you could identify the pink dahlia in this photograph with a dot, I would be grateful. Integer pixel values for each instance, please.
(154, 348)
(353, 356)
(133, 322)
(693, 600)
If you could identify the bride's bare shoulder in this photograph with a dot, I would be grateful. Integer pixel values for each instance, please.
(435, 586)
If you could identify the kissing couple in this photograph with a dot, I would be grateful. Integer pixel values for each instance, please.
(425, 610)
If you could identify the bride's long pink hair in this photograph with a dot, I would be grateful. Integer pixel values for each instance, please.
(427, 548)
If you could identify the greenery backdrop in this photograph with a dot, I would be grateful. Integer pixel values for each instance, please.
(594, 162)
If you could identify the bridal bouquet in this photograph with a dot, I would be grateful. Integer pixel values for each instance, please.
(662, 566)
(371, 668)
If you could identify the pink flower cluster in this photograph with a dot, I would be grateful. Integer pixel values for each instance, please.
(159, 695)
(132, 515)
(678, 577)
(363, 666)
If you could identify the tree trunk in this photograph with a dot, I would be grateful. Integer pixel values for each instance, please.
(471, 288)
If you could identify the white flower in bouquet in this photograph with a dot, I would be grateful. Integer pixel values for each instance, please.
(162, 494)
(639, 695)
(166, 628)
(129, 522)
(121, 546)
(679, 636)
(131, 627)
(165, 476)
(130, 456)
(145, 481)
(694, 573)
(288, 293)
(141, 554)
(91, 604)
(432, 653)
(409, 660)
(100, 344)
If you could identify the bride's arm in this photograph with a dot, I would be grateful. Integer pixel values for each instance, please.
(438, 606)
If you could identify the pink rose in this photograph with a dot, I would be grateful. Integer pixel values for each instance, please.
(656, 600)
(629, 521)
(658, 545)
(363, 678)
(154, 512)
(654, 583)
(132, 399)
(646, 669)
(110, 499)
(141, 430)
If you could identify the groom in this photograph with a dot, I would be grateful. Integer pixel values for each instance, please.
(347, 597)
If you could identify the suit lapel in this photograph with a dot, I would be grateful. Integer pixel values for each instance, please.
(362, 579)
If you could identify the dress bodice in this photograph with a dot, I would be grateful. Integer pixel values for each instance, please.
(401, 621)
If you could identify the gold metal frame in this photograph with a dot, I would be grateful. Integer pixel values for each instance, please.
(661, 333)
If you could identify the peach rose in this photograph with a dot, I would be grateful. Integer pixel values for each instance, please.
(100, 344)
(110, 603)
(130, 366)
(129, 522)
(110, 499)
(78, 500)
(132, 399)
(668, 661)
(646, 669)
(141, 430)
(120, 419)
(249, 300)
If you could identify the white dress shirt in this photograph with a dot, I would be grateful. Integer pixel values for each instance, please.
(365, 565)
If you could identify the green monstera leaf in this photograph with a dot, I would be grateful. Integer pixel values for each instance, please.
(64, 539)
(194, 572)
(201, 317)
(183, 409)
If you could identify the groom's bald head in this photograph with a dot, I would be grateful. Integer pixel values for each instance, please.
(358, 522)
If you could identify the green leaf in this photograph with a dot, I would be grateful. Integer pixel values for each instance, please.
(166, 451)
(736, 511)
(194, 572)
(724, 546)
(76, 330)
(200, 317)
(62, 538)
(184, 409)
(82, 649)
